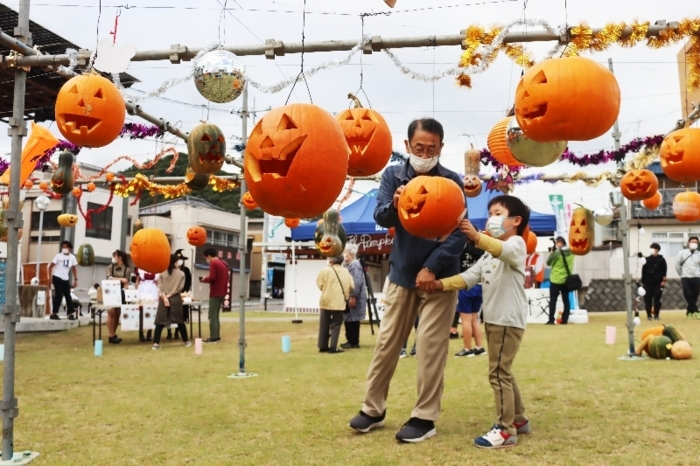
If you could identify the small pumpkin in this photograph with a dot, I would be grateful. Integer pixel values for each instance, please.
(44, 185)
(206, 147)
(109, 177)
(660, 347)
(686, 206)
(681, 350)
(138, 225)
(530, 241)
(431, 206)
(653, 202)
(90, 187)
(679, 155)
(150, 250)
(196, 181)
(292, 222)
(497, 143)
(197, 236)
(62, 178)
(471, 181)
(77, 191)
(29, 184)
(250, 204)
(67, 220)
(581, 231)
(90, 111)
(330, 235)
(85, 255)
(637, 185)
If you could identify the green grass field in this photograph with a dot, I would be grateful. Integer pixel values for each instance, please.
(138, 406)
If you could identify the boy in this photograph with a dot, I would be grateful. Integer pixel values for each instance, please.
(501, 270)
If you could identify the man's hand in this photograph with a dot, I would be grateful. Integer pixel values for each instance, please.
(468, 229)
(397, 194)
(426, 280)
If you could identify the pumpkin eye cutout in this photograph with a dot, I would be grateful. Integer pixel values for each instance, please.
(205, 138)
(584, 223)
(73, 90)
(536, 111)
(415, 202)
(98, 94)
(367, 117)
(286, 123)
(221, 138)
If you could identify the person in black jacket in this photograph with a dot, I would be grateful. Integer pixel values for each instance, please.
(653, 281)
(180, 264)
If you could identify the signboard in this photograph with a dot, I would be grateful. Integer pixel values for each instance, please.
(228, 254)
(372, 244)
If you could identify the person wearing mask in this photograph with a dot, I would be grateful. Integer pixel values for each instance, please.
(557, 279)
(654, 281)
(59, 269)
(688, 268)
(218, 281)
(180, 264)
(118, 270)
(336, 284)
(358, 298)
(147, 286)
(170, 285)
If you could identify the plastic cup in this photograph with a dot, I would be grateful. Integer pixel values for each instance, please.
(286, 344)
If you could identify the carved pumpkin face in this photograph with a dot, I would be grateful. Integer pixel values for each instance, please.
(150, 250)
(296, 160)
(686, 206)
(680, 155)
(653, 202)
(330, 235)
(67, 220)
(369, 140)
(581, 231)
(431, 206)
(567, 99)
(197, 236)
(472, 185)
(637, 185)
(206, 147)
(292, 222)
(249, 203)
(90, 111)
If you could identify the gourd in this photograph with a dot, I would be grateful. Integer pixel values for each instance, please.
(581, 231)
(62, 178)
(85, 255)
(671, 332)
(681, 350)
(644, 345)
(655, 331)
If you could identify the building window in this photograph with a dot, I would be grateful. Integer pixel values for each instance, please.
(50, 220)
(101, 222)
(128, 227)
(221, 238)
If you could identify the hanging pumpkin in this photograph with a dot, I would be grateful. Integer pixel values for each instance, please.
(680, 155)
(197, 236)
(330, 235)
(29, 184)
(498, 144)
(653, 202)
(206, 147)
(581, 231)
(90, 111)
(637, 185)
(85, 255)
(90, 187)
(292, 222)
(109, 177)
(296, 161)
(62, 178)
(67, 220)
(431, 206)
(44, 185)
(150, 250)
(196, 181)
(138, 225)
(249, 202)
(77, 191)
(471, 181)
(686, 206)
(530, 241)
(567, 99)
(368, 137)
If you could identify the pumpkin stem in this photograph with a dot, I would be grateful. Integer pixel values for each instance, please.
(355, 100)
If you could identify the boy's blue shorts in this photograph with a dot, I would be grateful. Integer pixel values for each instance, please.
(469, 301)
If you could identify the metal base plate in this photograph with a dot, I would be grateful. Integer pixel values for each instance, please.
(245, 375)
(631, 357)
(24, 457)
(297, 321)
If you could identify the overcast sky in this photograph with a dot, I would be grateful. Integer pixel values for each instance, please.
(648, 78)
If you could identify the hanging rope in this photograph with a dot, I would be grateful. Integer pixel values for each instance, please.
(301, 71)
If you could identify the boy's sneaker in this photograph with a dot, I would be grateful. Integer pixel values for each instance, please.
(464, 352)
(416, 430)
(364, 422)
(402, 354)
(477, 352)
(496, 438)
(523, 427)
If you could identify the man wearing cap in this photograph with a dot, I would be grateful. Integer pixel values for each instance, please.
(557, 279)
(654, 280)
(180, 264)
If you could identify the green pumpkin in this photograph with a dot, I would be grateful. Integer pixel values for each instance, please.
(85, 255)
(660, 347)
(196, 181)
(62, 179)
(671, 332)
(330, 235)
(206, 147)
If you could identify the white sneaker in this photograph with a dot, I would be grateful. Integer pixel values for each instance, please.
(403, 354)
(496, 438)
(156, 346)
(188, 344)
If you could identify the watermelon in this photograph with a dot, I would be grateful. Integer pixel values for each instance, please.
(671, 332)
(660, 347)
(86, 255)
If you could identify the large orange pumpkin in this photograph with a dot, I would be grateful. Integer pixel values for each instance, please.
(567, 99)
(686, 206)
(680, 155)
(498, 144)
(653, 202)
(197, 236)
(90, 111)
(581, 231)
(431, 206)
(150, 250)
(296, 161)
(637, 185)
(248, 201)
(368, 137)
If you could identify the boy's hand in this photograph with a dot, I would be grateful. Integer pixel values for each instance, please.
(468, 229)
(437, 286)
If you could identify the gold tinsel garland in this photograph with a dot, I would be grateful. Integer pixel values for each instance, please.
(169, 191)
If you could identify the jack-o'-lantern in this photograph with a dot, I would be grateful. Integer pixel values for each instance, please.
(62, 178)
(680, 155)
(472, 185)
(431, 206)
(197, 236)
(296, 160)
(44, 185)
(77, 191)
(109, 177)
(67, 220)
(249, 202)
(653, 202)
(637, 185)
(581, 231)
(91, 187)
(206, 147)
(196, 181)
(368, 137)
(567, 99)
(471, 181)
(498, 143)
(90, 111)
(150, 250)
(686, 206)
(29, 184)
(330, 235)
(292, 222)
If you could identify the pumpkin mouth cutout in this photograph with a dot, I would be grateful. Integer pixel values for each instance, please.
(210, 157)
(276, 166)
(638, 186)
(579, 243)
(358, 142)
(537, 112)
(79, 124)
(58, 183)
(672, 158)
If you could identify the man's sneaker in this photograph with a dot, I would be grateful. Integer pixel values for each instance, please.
(496, 438)
(454, 335)
(464, 352)
(364, 422)
(416, 430)
(155, 347)
(188, 344)
(54, 317)
(477, 352)
(402, 354)
(212, 340)
(523, 427)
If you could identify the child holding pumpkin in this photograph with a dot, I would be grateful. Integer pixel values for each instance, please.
(501, 271)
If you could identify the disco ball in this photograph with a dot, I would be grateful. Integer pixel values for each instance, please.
(219, 76)
(603, 216)
(529, 152)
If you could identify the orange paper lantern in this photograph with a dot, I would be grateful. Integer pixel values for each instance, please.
(498, 144)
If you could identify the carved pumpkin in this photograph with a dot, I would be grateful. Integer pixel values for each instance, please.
(567, 99)
(330, 235)
(686, 206)
(431, 206)
(67, 220)
(368, 137)
(653, 202)
(197, 236)
(581, 231)
(91, 187)
(138, 225)
(498, 144)
(43, 185)
(296, 160)
(62, 178)
(150, 250)
(109, 176)
(90, 111)
(471, 181)
(637, 185)
(206, 147)
(680, 155)
(292, 222)
(77, 191)
(85, 255)
(29, 184)
(472, 185)
(196, 181)
(249, 202)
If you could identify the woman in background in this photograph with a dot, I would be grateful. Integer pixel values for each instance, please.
(170, 285)
(358, 298)
(118, 270)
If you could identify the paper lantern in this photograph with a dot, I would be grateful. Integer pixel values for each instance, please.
(431, 206)
(498, 144)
